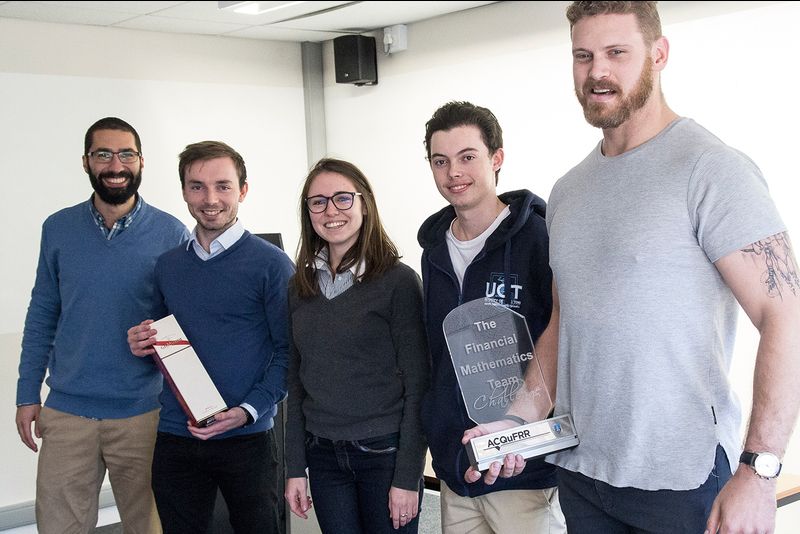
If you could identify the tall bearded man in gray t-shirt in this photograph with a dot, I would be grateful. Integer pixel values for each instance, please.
(656, 239)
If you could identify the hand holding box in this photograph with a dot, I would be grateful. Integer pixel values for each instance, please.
(185, 374)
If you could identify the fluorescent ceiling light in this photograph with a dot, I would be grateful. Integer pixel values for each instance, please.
(257, 8)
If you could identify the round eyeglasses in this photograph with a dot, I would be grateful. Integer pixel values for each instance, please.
(104, 156)
(342, 201)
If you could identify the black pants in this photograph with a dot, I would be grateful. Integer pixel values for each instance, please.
(594, 507)
(188, 471)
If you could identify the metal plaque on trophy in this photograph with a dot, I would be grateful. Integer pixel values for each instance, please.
(496, 366)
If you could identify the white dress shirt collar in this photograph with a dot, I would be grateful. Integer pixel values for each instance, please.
(221, 243)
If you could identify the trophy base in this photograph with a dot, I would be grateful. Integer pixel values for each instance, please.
(531, 441)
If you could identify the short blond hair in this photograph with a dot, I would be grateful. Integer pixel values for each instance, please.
(646, 15)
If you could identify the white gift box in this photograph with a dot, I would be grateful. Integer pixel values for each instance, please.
(185, 374)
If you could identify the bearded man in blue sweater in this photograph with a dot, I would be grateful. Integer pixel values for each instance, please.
(227, 289)
(95, 276)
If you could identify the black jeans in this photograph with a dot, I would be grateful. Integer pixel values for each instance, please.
(350, 482)
(188, 471)
(594, 507)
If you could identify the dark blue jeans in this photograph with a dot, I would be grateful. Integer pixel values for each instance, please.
(594, 507)
(350, 482)
(188, 471)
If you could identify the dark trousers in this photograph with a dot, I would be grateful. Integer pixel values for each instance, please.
(188, 471)
(594, 507)
(350, 482)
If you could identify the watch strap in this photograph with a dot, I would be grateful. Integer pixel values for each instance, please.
(249, 416)
(748, 458)
(515, 418)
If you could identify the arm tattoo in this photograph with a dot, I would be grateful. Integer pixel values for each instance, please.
(775, 254)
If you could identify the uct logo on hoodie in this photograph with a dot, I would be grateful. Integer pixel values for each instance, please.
(496, 289)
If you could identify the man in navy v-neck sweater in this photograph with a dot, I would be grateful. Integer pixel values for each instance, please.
(227, 289)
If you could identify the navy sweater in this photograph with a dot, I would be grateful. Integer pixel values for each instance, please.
(232, 309)
(359, 367)
(517, 251)
(89, 291)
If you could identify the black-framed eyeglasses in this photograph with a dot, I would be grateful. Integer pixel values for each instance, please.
(104, 156)
(342, 201)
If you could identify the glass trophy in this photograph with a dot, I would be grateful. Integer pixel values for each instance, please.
(496, 366)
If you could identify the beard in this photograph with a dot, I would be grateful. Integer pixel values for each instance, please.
(603, 116)
(115, 196)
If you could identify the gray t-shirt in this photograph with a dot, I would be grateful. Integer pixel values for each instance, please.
(647, 324)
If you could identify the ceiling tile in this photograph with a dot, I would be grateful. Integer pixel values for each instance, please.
(140, 8)
(177, 25)
(295, 23)
(44, 12)
(367, 16)
(210, 11)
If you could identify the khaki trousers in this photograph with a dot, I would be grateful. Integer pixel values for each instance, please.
(502, 512)
(73, 459)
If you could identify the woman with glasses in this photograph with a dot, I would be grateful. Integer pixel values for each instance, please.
(359, 364)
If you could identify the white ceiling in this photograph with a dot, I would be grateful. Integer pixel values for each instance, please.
(304, 21)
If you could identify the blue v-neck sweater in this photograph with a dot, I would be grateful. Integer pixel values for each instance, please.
(232, 309)
(89, 291)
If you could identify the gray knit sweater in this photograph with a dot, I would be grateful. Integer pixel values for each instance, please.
(359, 365)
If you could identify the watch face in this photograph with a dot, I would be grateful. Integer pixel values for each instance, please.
(767, 465)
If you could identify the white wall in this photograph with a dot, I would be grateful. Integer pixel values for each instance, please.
(56, 80)
(729, 69)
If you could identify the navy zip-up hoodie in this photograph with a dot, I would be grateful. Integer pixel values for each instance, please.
(516, 251)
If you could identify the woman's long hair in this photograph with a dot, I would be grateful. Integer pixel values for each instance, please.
(372, 247)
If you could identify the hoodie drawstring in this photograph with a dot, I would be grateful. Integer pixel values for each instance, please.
(507, 275)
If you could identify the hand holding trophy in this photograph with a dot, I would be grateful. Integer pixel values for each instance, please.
(499, 376)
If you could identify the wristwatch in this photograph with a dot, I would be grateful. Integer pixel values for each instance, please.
(249, 416)
(765, 464)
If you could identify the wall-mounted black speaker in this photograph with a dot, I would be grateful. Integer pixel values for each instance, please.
(355, 60)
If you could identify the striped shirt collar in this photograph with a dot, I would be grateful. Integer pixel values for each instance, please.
(321, 263)
(332, 287)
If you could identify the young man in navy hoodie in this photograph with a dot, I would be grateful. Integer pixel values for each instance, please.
(479, 246)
